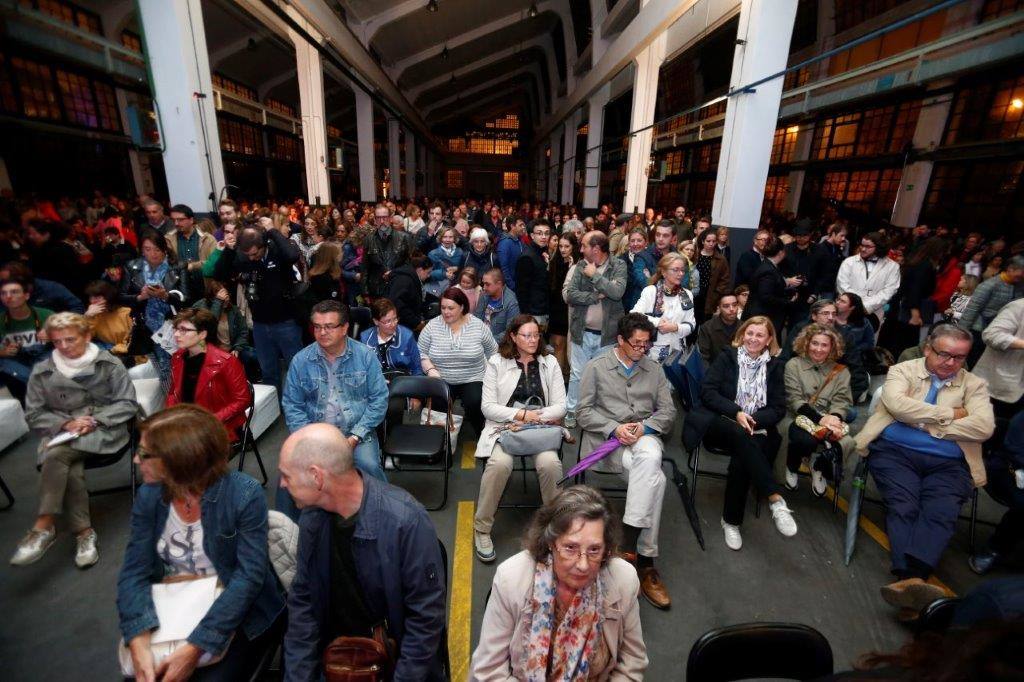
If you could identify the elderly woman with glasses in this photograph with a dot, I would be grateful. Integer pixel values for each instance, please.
(565, 608)
(522, 385)
(669, 306)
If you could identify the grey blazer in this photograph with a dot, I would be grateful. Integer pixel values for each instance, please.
(584, 291)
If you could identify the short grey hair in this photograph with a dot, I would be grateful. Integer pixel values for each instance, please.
(821, 304)
(332, 454)
(1017, 262)
(948, 330)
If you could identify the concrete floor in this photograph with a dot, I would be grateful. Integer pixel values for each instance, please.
(60, 623)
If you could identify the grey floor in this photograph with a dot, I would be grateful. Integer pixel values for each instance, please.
(60, 623)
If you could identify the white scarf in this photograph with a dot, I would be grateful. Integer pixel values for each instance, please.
(752, 391)
(71, 368)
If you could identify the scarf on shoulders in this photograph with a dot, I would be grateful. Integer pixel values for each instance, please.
(564, 648)
(752, 391)
(156, 310)
(71, 368)
(660, 292)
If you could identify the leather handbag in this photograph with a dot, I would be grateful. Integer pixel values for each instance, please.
(822, 433)
(360, 659)
(525, 440)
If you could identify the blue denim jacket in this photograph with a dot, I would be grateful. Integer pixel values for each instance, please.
(364, 399)
(404, 354)
(398, 566)
(234, 519)
(441, 261)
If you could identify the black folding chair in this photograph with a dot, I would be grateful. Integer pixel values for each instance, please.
(788, 651)
(693, 464)
(101, 461)
(7, 494)
(442, 647)
(420, 447)
(247, 440)
(359, 320)
(519, 465)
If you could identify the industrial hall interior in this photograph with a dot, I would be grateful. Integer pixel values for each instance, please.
(539, 340)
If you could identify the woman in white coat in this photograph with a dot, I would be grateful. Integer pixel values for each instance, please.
(520, 371)
(669, 306)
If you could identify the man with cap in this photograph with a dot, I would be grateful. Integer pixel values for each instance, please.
(797, 269)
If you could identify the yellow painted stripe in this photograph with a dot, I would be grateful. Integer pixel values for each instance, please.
(469, 454)
(460, 615)
(876, 533)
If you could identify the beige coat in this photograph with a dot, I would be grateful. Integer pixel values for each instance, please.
(803, 378)
(207, 244)
(902, 399)
(501, 376)
(501, 651)
(1000, 365)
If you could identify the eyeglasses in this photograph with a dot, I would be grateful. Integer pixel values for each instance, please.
(639, 346)
(528, 337)
(948, 357)
(382, 218)
(143, 455)
(325, 327)
(678, 271)
(185, 330)
(865, 245)
(574, 552)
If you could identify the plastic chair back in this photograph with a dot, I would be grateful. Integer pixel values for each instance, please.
(788, 651)
(359, 320)
(423, 387)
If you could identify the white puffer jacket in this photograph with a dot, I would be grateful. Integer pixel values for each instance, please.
(283, 539)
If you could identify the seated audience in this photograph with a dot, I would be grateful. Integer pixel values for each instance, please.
(624, 394)
(498, 305)
(818, 388)
(232, 329)
(396, 346)
(46, 293)
(564, 608)
(80, 390)
(522, 385)
(23, 334)
(668, 306)
(923, 444)
(367, 553)
(112, 323)
(961, 297)
(455, 346)
(196, 518)
(852, 323)
(467, 280)
(203, 374)
(1004, 468)
(446, 259)
(338, 381)
(718, 331)
(743, 399)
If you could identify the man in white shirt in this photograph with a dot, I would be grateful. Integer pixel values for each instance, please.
(871, 275)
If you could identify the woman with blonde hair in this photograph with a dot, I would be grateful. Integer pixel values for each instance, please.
(413, 219)
(325, 274)
(668, 305)
(691, 280)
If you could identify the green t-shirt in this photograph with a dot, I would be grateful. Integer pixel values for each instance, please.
(23, 332)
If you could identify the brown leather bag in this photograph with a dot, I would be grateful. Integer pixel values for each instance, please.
(360, 659)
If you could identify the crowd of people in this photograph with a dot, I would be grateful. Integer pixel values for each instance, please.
(534, 318)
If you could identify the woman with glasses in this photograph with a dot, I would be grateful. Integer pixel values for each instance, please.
(669, 306)
(203, 374)
(395, 345)
(82, 394)
(564, 608)
(522, 385)
(194, 518)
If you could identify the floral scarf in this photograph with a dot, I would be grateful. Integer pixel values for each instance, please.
(156, 310)
(575, 638)
(661, 291)
(752, 392)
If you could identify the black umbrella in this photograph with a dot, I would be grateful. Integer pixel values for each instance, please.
(683, 486)
(860, 475)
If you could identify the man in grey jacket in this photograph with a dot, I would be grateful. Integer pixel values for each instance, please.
(624, 394)
(594, 295)
(498, 306)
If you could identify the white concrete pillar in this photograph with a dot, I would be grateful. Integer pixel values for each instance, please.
(766, 26)
(645, 92)
(309, 66)
(553, 163)
(801, 152)
(595, 135)
(364, 130)
(598, 13)
(931, 123)
(394, 159)
(569, 156)
(410, 164)
(179, 66)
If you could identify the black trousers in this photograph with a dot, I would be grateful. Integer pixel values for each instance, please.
(801, 445)
(243, 655)
(751, 460)
(471, 395)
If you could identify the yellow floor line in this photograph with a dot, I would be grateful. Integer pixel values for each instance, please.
(460, 615)
(469, 454)
(876, 533)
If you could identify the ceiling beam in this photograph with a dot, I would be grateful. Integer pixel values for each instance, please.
(530, 69)
(369, 27)
(221, 54)
(476, 104)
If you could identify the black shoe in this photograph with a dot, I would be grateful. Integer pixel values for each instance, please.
(982, 563)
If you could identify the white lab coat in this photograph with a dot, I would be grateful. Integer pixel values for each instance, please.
(875, 290)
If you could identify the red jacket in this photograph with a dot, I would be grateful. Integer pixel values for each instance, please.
(946, 282)
(221, 387)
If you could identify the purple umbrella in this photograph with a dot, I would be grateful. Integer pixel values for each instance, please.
(600, 452)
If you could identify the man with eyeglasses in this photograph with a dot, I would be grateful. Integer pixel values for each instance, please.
(188, 244)
(751, 260)
(624, 394)
(533, 293)
(386, 249)
(872, 275)
(337, 380)
(923, 444)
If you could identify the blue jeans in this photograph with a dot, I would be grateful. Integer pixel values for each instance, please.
(579, 356)
(275, 341)
(367, 459)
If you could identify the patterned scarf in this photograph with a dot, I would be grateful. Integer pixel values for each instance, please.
(752, 392)
(661, 291)
(156, 310)
(575, 638)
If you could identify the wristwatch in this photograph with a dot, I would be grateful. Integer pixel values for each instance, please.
(358, 439)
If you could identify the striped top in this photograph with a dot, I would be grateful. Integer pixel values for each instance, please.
(460, 358)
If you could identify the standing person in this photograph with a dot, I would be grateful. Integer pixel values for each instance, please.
(520, 373)
(797, 268)
(771, 294)
(497, 306)
(626, 394)
(533, 292)
(743, 398)
(455, 346)
(717, 333)
(23, 336)
(86, 391)
(368, 555)
(989, 298)
(749, 261)
(911, 309)
(479, 255)
(308, 239)
(337, 380)
(668, 306)
(384, 250)
(567, 255)
(714, 274)
(594, 295)
(665, 240)
(641, 265)
(826, 258)
(155, 218)
(413, 219)
(325, 275)
(405, 290)
(1002, 362)
(509, 249)
(446, 259)
(871, 275)
(190, 246)
(263, 263)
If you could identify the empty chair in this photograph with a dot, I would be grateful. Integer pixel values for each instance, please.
(788, 651)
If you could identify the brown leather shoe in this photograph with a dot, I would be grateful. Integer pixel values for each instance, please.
(653, 589)
(912, 593)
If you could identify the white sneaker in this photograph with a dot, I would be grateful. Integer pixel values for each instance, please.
(791, 479)
(33, 546)
(484, 547)
(86, 554)
(783, 517)
(818, 483)
(733, 539)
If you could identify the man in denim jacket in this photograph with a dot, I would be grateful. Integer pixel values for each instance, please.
(338, 380)
(367, 554)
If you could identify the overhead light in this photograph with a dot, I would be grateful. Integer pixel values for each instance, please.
(793, 130)
(444, 52)
(532, 12)
(1017, 103)
(432, 6)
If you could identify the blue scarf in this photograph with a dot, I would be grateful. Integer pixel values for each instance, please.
(156, 310)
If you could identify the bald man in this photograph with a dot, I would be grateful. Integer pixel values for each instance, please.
(368, 553)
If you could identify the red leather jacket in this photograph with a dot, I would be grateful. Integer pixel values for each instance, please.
(221, 387)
